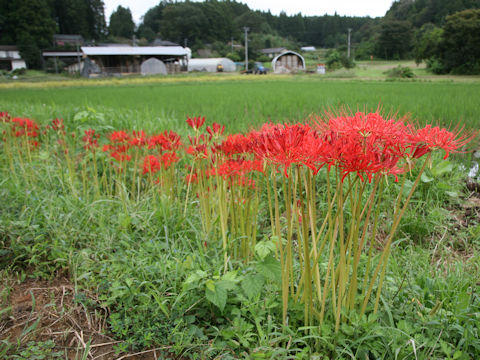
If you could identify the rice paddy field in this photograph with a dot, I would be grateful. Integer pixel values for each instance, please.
(131, 230)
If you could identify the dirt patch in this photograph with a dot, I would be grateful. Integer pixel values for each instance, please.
(51, 312)
(41, 311)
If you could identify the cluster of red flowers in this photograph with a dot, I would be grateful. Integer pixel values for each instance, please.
(22, 127)
(365, 144)
(164, 145)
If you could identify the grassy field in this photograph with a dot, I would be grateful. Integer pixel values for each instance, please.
(240, 103)
(99, 262)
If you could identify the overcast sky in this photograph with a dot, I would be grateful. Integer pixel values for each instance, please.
(371, 8)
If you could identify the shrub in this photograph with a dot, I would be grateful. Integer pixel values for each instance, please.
(403, 72)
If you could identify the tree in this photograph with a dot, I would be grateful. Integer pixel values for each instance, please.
(96, 19)
(427, 43)
(28, 25)
(121, 23)
(395, 41)
(460, 50)
(83, 17)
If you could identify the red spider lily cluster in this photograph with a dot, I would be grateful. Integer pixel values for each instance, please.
(364, 144)
(226, 175)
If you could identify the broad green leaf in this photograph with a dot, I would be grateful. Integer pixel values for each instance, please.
(442, 168)
(230, 276)
(210, 285)
(252, 285)
(425, 178)
(218, 297)
(270, 268)
(264, 248)
(452, 194)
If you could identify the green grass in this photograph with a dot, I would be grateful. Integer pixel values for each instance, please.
(137, 255)
(240, 104)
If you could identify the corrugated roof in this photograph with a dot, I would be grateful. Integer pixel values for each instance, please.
(62, 53)
(134, 50)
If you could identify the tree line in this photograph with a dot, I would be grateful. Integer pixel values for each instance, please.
(427, 30)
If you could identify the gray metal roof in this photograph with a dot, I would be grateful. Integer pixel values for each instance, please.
(62, 53)
(134, 50)
(272, 50)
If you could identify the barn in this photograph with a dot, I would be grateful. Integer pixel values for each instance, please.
(288, 62)
(129, 59)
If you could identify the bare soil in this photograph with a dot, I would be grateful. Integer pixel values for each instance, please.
(40, 310)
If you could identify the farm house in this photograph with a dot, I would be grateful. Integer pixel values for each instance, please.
(129, 59)
(10, 58)
(288, 62)
(211, 64)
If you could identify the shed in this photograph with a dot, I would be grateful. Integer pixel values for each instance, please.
(10, 58)
(288, 62)
(153, 66)
(211, 64)
(128, 59)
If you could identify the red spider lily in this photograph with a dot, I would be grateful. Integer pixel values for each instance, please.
(215, 130)
(24, 127)
(196, 122)
(168, 159)
(120, 157)
(364, 144)
(431, 138)
(57, 125)
(198, 148)
(118, 152)
(236, 144)
(167, 141)
(138, 138)
(282, 145)
(193, 178)
(4, 116)
(119, 137)
(90, 140)
(151, 164)
(238, 167)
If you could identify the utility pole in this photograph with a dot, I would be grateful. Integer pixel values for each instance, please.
(246, 47)
(232, 44)
(348, 51)
(78, 58)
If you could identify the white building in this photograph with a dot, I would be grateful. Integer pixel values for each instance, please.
(211, 65)
(10, 58)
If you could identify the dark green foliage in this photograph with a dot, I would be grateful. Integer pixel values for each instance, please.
(395, 41)
(28, 25)
(461, 39)
(121, 23)
(81, 17)
(335, 61)
(421, 12)
(427, 42)
(400, 72)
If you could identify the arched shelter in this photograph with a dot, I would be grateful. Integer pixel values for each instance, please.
(287, 62)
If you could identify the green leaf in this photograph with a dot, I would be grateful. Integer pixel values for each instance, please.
(210, 284)
(193, 279)
(217, 296)
(425, 178)
(270, 268)
(252, 285)
(230, 276)
(264, 248)
(442, 168)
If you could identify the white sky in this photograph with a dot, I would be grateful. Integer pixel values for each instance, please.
(371, 8)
